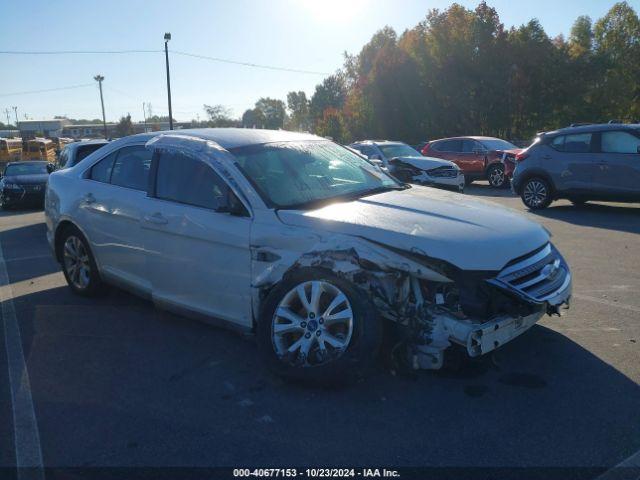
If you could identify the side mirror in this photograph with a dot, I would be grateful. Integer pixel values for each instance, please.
(233, 205)
(50, 167)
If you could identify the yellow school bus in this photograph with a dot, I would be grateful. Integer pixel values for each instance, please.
(10, 150)
(40, 149)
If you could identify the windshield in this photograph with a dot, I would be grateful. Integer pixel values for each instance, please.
(498, 144)
(392, 150)
(26, 169)
(294, 174)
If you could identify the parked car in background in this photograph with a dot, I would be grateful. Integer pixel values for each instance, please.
(76, 151)
(23, 183)
(480, 158)
(408, 165)
(419, 146)
(306, 244)
(591, 162)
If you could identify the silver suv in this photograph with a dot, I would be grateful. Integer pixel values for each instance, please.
(590, 162)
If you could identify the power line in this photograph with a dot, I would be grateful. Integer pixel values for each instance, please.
(248, 64)
(186, 54)
(47, 90)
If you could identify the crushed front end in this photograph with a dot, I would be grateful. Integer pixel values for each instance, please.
(481, 311)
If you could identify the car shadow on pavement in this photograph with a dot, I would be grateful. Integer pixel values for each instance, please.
(10, 212)
(117, 382)
(611, 217)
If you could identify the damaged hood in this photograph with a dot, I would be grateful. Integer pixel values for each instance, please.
(469, 233)
(425, 163)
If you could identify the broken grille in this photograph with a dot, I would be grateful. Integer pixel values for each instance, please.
(446, 172)
(538, 275)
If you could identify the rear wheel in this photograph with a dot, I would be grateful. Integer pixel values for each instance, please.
(536, 193)
(496, 176)
(78, 264)
(316, 326)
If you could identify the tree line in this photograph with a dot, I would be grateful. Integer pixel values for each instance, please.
(460, 71)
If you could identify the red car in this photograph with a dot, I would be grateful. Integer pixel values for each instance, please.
(479, 158)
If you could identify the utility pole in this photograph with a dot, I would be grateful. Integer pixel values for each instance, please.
(144, 114)
(99, 79)
(6, 112)
(15, 112)
(167, 37)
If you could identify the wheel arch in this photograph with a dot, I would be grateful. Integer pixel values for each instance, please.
(63, 226)
(529, 174)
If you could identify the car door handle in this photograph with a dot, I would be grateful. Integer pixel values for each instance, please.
(89, 198)
(157, 219)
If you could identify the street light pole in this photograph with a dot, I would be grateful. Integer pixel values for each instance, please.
(167, 37)
(99, 79)
(15, 112)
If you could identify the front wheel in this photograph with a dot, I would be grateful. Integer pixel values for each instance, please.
(536, 193)
(496, 176)
(316, 326)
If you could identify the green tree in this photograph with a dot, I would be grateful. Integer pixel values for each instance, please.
(253, 118)
(219, 116)
(124, 127)
(332, 125)
(273, 112)
(331, 93)
(617, 45)
(299, 111)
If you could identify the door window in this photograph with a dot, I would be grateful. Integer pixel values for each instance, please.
(450, 146)
(131, 168)
(186, 180)
(470, 146)
(101, 171)
(620, 142)
(578, 143)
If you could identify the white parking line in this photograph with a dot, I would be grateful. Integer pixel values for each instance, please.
(608, 303)
(628, 469)
(25, 427)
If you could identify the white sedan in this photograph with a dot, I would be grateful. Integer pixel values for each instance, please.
(304, 243)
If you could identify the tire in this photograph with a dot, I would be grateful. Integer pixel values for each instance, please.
(496, 176)
(73, 249)
(354, 340)
(536, 193)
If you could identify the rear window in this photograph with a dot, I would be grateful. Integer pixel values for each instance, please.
(577, 143)
(620, 142)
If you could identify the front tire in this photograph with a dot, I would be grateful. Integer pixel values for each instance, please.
(496, 176)
(78, 264)
(536, 193)
(318, 327)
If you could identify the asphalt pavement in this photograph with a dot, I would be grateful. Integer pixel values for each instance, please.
(117, 382)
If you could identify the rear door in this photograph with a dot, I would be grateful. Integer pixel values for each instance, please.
(619, 166)
(111, 211)
(573, 162)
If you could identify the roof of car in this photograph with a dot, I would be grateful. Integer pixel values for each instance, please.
(81, 143)
(233, 137)
(596, 127)
(473, 137)
(377, 142)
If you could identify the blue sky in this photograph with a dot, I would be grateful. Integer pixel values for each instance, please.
(301, 34)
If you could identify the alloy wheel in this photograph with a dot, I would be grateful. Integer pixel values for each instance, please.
(76, 262)
(496, 177)
(312, 324)
(535, 193)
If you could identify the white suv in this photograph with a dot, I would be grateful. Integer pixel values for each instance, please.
(303, 242)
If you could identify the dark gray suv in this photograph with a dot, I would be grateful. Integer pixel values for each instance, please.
(590, 162)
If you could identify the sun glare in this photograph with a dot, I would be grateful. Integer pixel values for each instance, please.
(333, 10)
